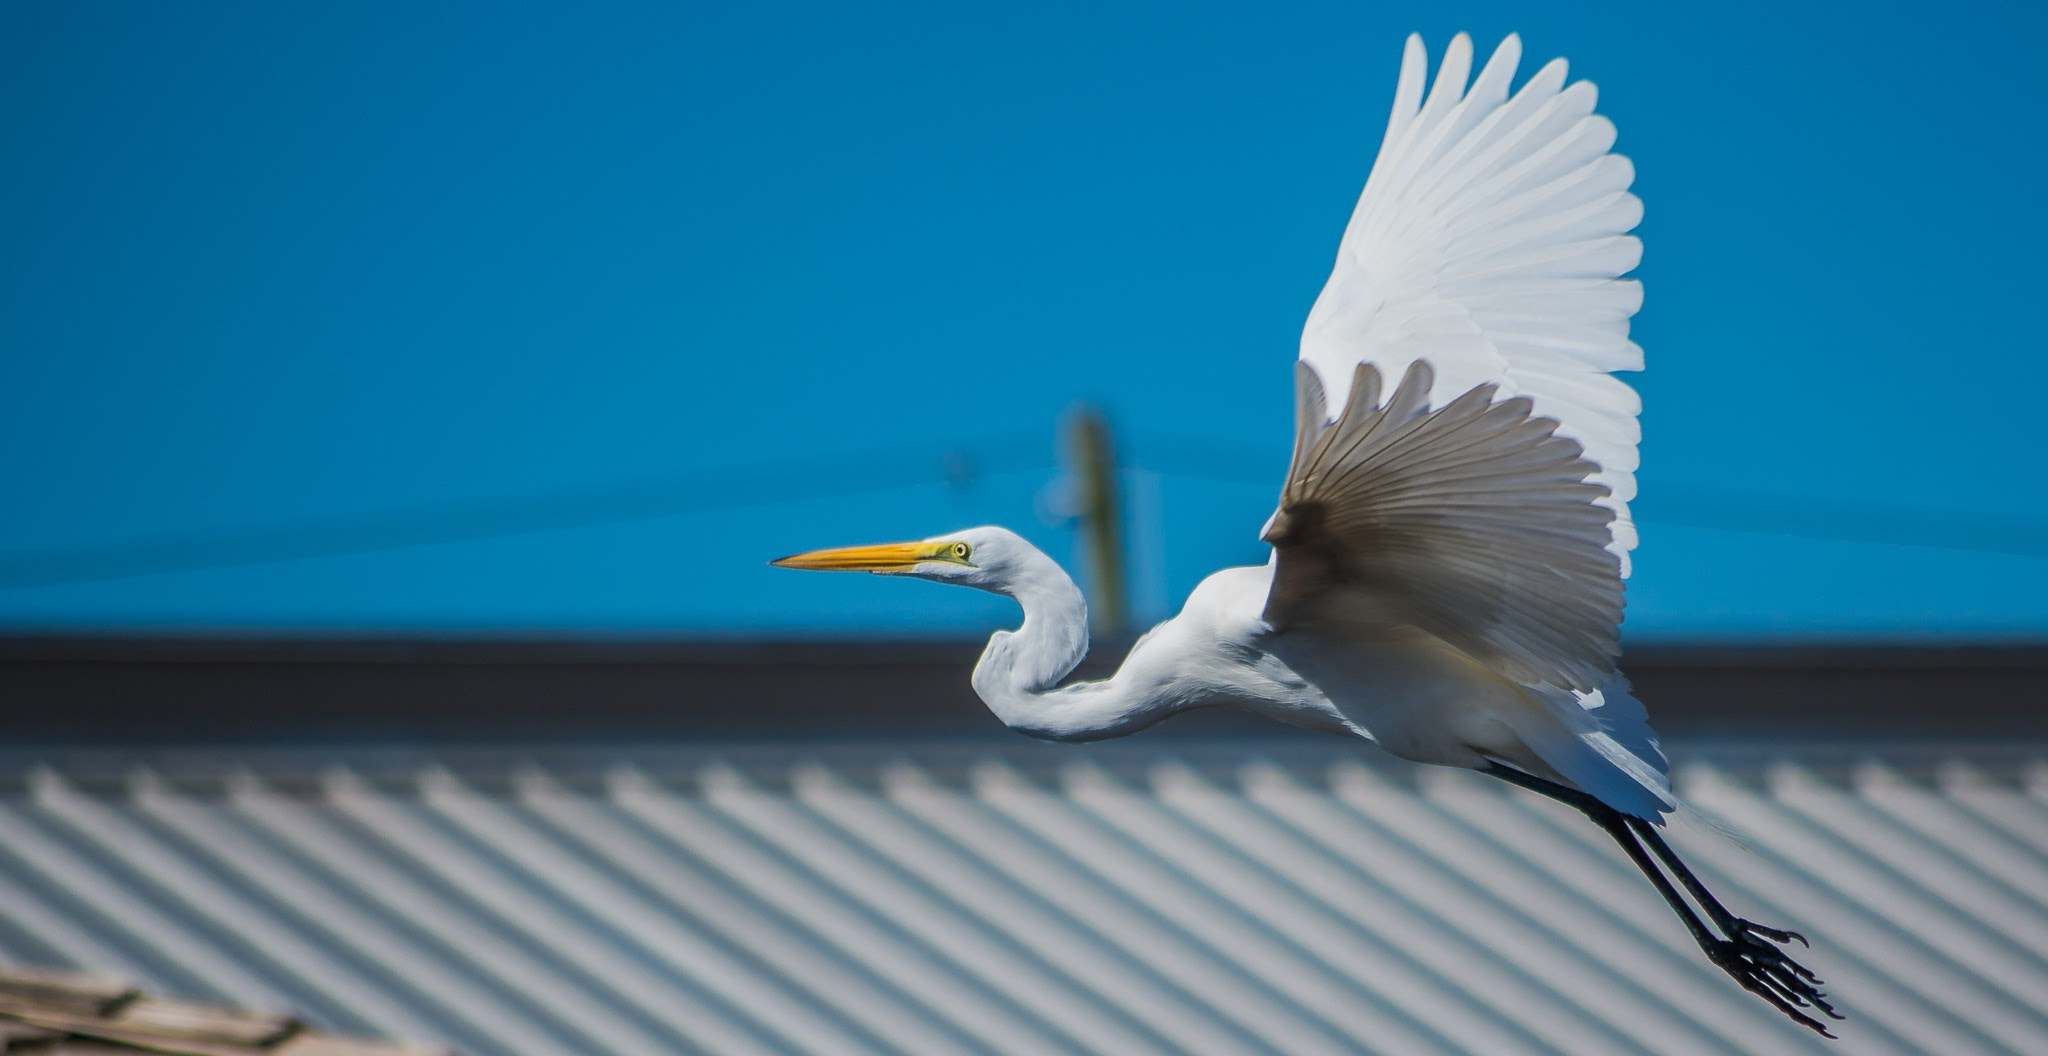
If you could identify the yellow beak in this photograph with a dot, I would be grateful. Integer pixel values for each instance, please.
(888, 557)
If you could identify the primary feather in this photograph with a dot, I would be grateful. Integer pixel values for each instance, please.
(1489, 243)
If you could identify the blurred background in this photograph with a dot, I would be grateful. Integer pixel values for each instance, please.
(399, 405)
(465, 318)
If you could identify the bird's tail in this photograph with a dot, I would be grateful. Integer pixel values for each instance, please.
(1602, 742)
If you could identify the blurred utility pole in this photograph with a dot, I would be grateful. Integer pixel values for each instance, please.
(1092, 459)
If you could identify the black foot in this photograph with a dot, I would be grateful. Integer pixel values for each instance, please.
(1764, 970)
(1750, 952)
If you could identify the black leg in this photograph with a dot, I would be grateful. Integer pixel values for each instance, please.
(1728, 922)
(1740, 947)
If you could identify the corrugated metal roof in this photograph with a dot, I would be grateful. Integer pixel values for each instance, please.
(982, 898)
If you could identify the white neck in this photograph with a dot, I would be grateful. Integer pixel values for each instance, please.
(1019, 673)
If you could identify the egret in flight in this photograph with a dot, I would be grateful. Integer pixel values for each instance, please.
(1453, 534)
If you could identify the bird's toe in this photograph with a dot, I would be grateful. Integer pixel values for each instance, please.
(1764, 969)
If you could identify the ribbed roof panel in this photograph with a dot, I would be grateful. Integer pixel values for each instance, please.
(1206, 899)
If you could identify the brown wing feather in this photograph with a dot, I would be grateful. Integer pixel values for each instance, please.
(1472, 521)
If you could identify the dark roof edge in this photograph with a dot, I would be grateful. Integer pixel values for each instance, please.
(475, 649)
(188, 690)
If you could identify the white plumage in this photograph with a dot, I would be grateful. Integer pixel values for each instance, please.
(1451, 540)
(1489, 242)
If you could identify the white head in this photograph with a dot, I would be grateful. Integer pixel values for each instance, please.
(988, 558)
(1020, 670)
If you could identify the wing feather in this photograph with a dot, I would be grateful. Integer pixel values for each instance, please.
(1489, 243)
(1473, 521)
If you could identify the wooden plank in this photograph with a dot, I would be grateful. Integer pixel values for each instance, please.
(310, 1044)
(97, 1031)
(157, 1017)
(97, 1036)
(14, 1033)
(71, 993)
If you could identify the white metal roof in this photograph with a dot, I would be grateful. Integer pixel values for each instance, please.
(1210, 899)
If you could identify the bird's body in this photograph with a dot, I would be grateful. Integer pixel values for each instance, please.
(1452, 536)
(1399, 687)
(1217, 652)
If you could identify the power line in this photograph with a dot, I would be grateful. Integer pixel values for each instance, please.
(340, 535)
(753, 486)
(2012, 536)
(1849, 523)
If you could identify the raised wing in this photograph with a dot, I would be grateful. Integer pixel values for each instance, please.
(1473, 521)
(1488, 244)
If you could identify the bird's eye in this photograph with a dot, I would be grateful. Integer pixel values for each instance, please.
(961, 550)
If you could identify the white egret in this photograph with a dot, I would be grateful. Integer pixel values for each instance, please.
(1453, 534)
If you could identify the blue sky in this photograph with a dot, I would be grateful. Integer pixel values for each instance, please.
(674, 289)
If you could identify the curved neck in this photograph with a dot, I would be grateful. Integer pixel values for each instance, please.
(1019, 673)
